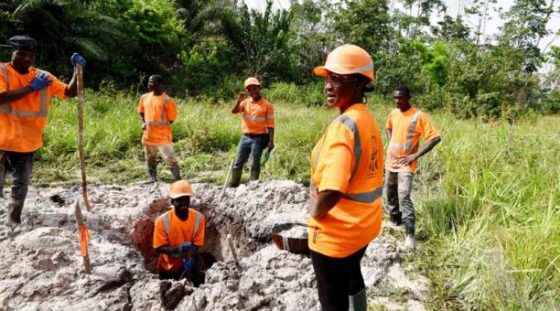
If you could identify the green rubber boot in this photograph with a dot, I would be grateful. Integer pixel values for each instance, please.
(235, 177)
(358, 302)
(255, 174)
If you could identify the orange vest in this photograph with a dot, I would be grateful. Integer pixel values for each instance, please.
(170, 230)
(256, 116)
(158, 112)
(349, 159)
(406, 129)
(22, 121)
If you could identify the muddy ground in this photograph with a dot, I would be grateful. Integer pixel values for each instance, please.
(41, 268)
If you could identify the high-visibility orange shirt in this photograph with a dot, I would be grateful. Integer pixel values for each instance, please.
(22, 121)
(159, 112)
(179, 232)
(406, 129)
(349, 159)
(256, 116)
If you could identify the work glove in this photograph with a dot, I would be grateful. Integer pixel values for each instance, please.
(41, 81)
(188, 264)
(185, 247)
(76, 59)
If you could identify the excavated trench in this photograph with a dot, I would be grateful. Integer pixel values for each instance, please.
(42, 270)
(216, 246)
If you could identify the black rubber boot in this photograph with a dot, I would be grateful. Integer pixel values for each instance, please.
(152, 171)
(235, 177)
(176, 172)
(14, 212)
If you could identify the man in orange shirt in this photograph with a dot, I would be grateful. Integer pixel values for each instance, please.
(178, 234)
(405, 125)
(157, 112)
(257, 124)
(25, 93)
(346, 182)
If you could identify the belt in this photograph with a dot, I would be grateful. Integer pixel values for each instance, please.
(255, 135)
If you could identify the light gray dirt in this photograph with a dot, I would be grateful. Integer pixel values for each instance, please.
(41, 268)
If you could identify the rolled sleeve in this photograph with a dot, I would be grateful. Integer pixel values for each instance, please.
(429, 132)
(336, 161)
(171, 110)
(57, 87)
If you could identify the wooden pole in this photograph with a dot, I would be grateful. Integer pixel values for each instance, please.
(227, 179)
(80, 222)
(80, 75)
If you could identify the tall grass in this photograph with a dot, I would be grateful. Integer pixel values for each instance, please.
(494, 225)
(487, 196)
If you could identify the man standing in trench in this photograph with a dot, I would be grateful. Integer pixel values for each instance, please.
(257, 124)
(25, 94)
(157, 112)
(178, 234)
(405, 125)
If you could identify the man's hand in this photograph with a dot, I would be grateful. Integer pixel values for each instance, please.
(77, 59)
(241, 96)
(408, 159)
(270, 145)
(41, 81)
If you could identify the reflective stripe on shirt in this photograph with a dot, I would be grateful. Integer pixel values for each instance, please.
(6, 108)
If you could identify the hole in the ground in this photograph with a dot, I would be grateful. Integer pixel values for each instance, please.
(216, 247)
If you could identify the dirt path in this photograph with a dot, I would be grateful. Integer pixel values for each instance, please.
(41, 268)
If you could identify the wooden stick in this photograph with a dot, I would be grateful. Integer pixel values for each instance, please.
(80, 74)
(227, 179)
(80, 221)
(233, 252)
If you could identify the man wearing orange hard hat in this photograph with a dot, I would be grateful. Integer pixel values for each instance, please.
(346, 182)
(257, 124)
(178, 235)
(25, 99)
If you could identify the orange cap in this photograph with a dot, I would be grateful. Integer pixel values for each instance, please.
(252, 81)
(180, 188)
(345, 60)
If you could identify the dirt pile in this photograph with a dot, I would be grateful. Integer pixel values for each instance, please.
(42, 269)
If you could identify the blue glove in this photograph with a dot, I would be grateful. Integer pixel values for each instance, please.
(76, 59)
(41, 81)
(185, 247)
(188, 264)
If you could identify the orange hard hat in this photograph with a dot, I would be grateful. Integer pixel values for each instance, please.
(347, 59)
(252, 81)
(180, 188)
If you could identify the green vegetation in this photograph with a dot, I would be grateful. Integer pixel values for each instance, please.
(202, 46)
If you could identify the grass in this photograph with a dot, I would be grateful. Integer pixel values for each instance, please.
(487, 197)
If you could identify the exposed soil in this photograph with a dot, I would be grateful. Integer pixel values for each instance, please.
(41, 268)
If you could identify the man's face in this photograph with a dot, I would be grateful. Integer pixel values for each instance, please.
(154, 85)
(401, 99)
(254, 91)
(181, 205)
(23, 59)
(340, 89)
